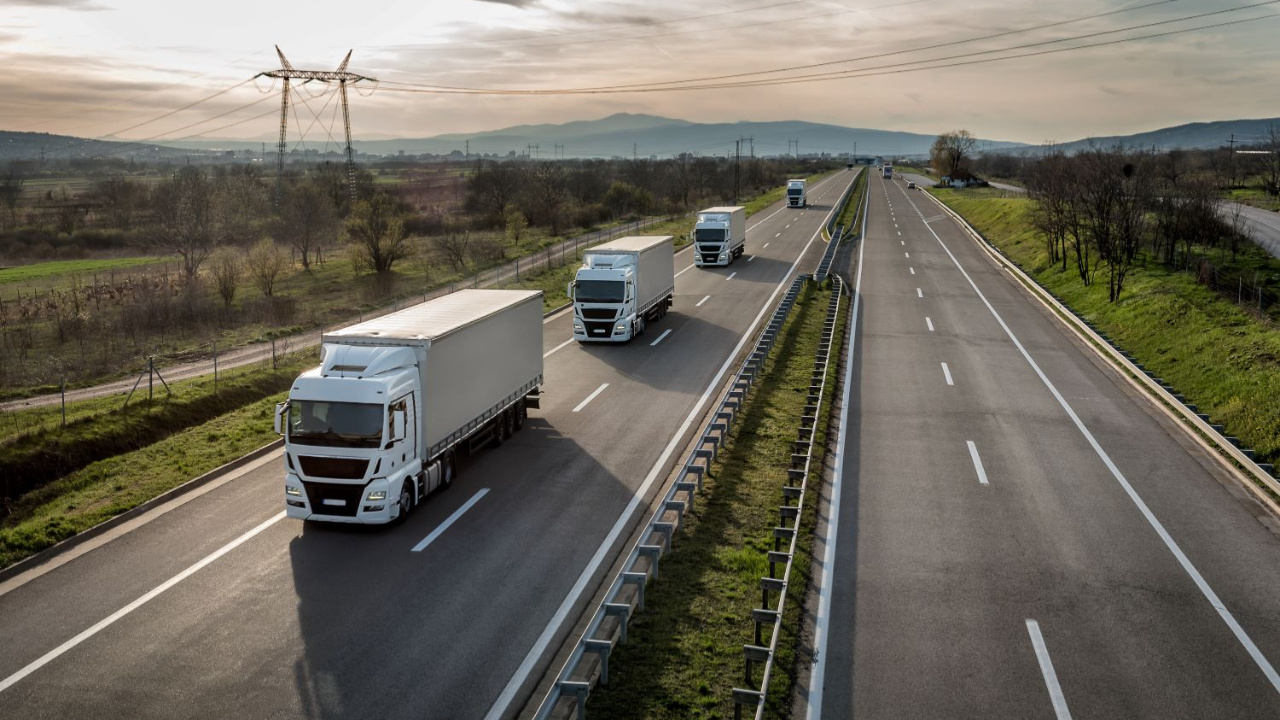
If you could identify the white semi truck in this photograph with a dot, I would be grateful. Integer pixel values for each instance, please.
(795, 193)
(622, 285)
(381, 422)
(719, 235)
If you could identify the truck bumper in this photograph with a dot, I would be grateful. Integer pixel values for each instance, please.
(615, 336)
(360, 511)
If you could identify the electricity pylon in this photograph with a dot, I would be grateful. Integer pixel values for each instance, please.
(340, 76)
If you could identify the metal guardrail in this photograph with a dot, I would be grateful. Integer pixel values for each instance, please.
(788, 527)
(828, 255)
(844, 198)
(589, 661)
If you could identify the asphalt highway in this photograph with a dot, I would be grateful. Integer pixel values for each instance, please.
(1018, 532)
(219, 608)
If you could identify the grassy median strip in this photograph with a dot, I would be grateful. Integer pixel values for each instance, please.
(852, 210)
(683, 655)
(1224, 360)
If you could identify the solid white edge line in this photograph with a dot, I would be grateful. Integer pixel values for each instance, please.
(1046, 669)
(977, 462)
(702, 301)
(148, 597)
(684, 271)
(946, 372)
(591, 397)
(504, 699)
(1258, 658)
(548, 353)
(817, 676)
(450, 520)
(660, 337)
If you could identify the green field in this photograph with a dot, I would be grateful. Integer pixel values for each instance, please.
(683, 654)
(62, 268)
(1224, 360)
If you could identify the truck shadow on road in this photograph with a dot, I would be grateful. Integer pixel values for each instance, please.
(391, 633)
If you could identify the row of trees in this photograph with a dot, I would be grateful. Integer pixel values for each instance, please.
(1103, 207)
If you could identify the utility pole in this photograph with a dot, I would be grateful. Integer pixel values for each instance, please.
(1231, 162)
(635, 154)
(340, 76)
(466, 154)
(737, 163)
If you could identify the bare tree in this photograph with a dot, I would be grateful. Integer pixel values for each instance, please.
(1270, 160)
(517, 223)
(11, 185)
(376, 231)
(187, 222)
(307, 219)
(454, 244)
(267, 263)
(227, 270)
(1049, 186)
(122, 198)
(950, 150)
(492, 189)
(548, 193)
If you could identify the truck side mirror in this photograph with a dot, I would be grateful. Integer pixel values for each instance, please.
(281, 409)
(568, 290)
(397, 426)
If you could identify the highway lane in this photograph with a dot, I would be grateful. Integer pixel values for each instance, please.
(316, 621)
(991, 561)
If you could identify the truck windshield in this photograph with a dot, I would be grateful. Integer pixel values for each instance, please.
(709, 235)
(599, 291)
(336, 424)
(794, 191)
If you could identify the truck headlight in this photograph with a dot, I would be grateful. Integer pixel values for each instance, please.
(291, 490)
(377, 495)
(723, 255)
(621, 327)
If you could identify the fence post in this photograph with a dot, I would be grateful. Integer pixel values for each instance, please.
(215, 368)
(517, 269)
(151, 367)
(1240, 291)
(63, 390)
(273, 353)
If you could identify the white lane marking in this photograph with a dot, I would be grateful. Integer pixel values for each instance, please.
(919, 292)
(148, 597)
(1258, 658)
(1046, 669)
(450, 520)
(904, 242)
(547, 354)
(591, 397)
(786, 227)
(508, 694)
(946, 372)
(735, 272)
(906, 254)
(557, 315)
(753, 257)
(977, 462)
(684, 271)
(900, 232)
(660, 337)
(766, 218)
(780, 234)
(913, 270)
(702, 301)
(826, 573)
(764, 246)
(929, 322)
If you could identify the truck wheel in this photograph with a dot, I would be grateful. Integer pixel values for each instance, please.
(639, 327)
(406, 499)
(521, 414)
(499, 430)
(448, 469)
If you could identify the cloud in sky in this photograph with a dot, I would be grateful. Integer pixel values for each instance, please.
(95, 73)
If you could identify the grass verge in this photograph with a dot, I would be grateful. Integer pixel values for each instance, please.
(683, 655)
(852, 210)
(1224, 360)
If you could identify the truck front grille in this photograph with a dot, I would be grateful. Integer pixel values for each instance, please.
(333, 498)
(599, 313)
(711, 257)
(331, 467)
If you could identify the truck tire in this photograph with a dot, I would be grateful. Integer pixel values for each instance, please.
(522, 413)
(509, 421)
(405, 500)
(448, 470)
(499, 430)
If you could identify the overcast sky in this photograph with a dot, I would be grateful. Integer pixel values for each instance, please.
(96, 67)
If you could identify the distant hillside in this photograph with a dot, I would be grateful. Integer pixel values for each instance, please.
(31, 146)
(1199, 136)
(647, 135)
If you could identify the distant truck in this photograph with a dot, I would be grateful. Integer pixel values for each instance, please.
(719, 235)
(380, 423)
(622, 285)
(795, 193)
(886, 171)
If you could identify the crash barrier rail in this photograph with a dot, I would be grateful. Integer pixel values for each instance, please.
(844, 198)
(828, 255)
(794, 492)
(1263, 474)
(589, 661)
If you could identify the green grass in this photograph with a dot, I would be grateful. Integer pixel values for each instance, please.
(849, 214)
(683, 654)
(58, 268)
(1254, 197)
(1224, 360)
(109, 487)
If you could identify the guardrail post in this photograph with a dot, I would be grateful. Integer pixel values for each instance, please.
(601, 648)
(580, 689)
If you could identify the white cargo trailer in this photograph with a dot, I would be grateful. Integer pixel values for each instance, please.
(622, 285)
(380, 423)
(719, 235)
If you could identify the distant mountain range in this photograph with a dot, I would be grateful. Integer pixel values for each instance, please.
(625, 134)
